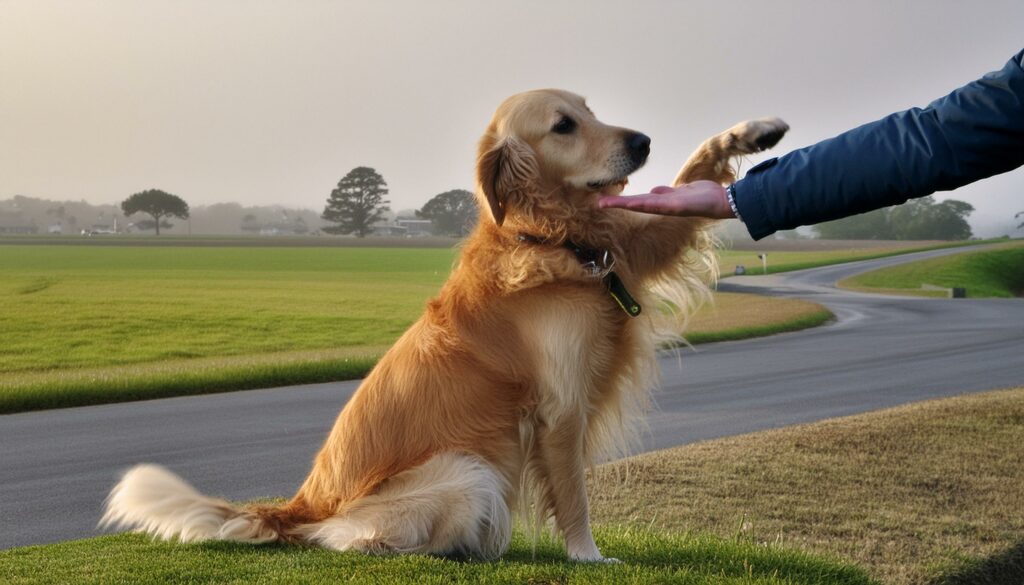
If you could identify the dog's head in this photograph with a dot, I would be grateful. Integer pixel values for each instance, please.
(546, 149)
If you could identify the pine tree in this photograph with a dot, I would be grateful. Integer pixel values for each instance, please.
(356, 203)
(157, 204)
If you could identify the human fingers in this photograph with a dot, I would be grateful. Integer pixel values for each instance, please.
(650, 203)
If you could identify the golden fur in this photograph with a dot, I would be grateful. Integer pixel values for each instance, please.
(518, 376)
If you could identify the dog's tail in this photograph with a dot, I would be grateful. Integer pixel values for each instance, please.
(153, 500)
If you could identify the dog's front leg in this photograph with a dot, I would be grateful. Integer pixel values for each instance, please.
(561, 450)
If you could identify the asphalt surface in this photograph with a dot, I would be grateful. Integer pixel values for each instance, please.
(56, 467)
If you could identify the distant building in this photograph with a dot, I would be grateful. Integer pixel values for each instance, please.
(388, 229)
(407, 228)
(415, 228)
(100, 229)
(55, 229)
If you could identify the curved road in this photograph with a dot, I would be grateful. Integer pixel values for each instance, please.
(57, 466)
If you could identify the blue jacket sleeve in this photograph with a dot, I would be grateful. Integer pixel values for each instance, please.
(975, 132)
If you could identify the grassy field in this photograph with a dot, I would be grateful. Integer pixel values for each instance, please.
(924, 494)
(88, 324)
(82, 306)
(992, 273)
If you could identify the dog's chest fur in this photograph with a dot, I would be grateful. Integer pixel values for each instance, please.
(571, 334)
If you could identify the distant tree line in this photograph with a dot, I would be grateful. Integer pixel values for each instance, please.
(917, 219)
(357, 203)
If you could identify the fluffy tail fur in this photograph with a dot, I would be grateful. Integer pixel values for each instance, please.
(452, 503)
(153, 500)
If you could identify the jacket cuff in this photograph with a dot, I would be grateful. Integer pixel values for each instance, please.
(749, 197)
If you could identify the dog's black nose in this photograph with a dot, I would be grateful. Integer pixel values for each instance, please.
(639, 146)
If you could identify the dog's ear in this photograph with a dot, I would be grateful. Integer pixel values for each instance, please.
(504, 168)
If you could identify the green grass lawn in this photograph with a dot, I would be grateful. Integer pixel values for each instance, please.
(73, 307)
(647, 558)
(992, 273)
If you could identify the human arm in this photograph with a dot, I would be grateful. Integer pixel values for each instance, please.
(975, 132)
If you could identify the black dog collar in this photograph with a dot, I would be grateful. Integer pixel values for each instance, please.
(598, 262)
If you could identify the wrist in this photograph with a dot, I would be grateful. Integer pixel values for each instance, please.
(730, 197)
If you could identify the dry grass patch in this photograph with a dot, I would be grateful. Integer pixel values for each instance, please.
(917, 494)
(741, 311)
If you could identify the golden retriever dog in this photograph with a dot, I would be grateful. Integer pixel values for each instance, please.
(533, 363)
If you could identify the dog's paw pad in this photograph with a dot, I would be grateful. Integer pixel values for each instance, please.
(769, 139)
(758, 135)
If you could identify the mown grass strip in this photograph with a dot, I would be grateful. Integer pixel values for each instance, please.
(995, 273)
(646, 557)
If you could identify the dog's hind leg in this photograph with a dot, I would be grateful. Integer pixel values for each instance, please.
(453, 503)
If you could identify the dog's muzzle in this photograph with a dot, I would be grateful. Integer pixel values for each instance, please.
(638, 146)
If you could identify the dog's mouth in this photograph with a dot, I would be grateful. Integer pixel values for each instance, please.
(622, 165)
(609, 186)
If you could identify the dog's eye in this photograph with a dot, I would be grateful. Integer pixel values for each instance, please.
(564, 126)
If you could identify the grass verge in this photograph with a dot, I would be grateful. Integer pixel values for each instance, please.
(733, 316)
(929, 493)
(22, 392)
(990, 273)
(647, 558)
(788, 261)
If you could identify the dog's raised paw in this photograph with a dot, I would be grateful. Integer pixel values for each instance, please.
(757, 135)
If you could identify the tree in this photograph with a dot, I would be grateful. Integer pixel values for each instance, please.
(250, 223)
(148, 224)
(924, 219)
(356, 203)
(453, 213)
(873, 225)
(917, 219)
(157, 204)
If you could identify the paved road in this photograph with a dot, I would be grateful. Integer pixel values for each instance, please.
(56, 466)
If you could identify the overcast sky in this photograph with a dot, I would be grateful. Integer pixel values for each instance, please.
(273, 102)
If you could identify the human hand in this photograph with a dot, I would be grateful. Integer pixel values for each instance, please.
(698, 199)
